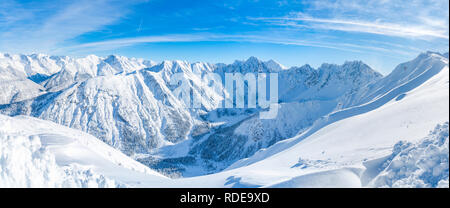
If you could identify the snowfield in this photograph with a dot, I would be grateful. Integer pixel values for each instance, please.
(37, 153)
(25, 163)
(338, 126)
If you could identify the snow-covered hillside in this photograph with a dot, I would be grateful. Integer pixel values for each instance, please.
(38, 153)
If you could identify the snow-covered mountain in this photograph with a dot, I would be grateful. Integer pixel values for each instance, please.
(134, 111)
(334, 121)
(53, 73)
(20, 75)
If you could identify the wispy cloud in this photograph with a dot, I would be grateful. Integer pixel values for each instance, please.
(407, 19)
(389, 29)
(123, 42)
(258, 38)
(25, 28)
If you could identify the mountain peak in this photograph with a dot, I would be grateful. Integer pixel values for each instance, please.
(274, 65)
(252, 59)
(112, 58)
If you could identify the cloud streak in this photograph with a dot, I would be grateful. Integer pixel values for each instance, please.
(208, 37)
(27, 29)
(419, 19)
(389, 29)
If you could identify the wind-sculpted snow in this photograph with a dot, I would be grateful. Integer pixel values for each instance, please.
(422, 165)
(25, 163)
(37, 153)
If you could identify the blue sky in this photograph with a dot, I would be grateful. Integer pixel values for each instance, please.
(381, 33)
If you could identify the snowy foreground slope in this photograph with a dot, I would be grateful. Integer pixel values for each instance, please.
(38, 153)
(395, 135)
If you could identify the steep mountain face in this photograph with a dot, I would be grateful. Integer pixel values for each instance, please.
(134, 112)
(19, 90)
(20, 75)
(328, 82)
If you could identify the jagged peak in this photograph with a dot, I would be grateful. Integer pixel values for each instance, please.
(345, 65)
(305, 67)
(350, 67)
(38, 55)
(112, 58)
(253, 59)
(274, 65)
(250, 60)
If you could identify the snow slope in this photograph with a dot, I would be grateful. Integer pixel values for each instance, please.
(37, 153)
